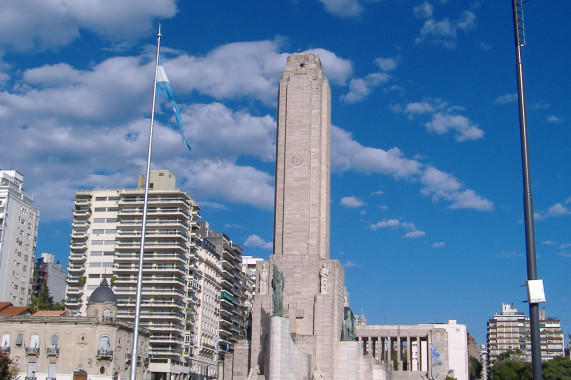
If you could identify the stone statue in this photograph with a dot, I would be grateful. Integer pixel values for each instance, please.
(317, 374)
(278, 295)
(349, 326)
(254, 372)
(263, 280)
(323, 273)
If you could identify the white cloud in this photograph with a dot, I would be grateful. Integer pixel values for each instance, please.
(337, 70)
(348, 154)
(411, 230)
(42, 24)
(351, 202)
(465, 129)
(360, 88)
(548, 242)
(445, 186)
(343, 8)
(558, 209)
(423, 11)
(216, 131)
(507, 98)
(386, 64)
(444, 119)
(351, 264)
(442, 32)
(256, 241)
(553, 119)
(211, 179)
(439, 244)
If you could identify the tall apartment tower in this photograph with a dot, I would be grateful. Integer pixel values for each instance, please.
(18, 234)
(105, 243)
(203, 350)
(49, 273)
(510, 331)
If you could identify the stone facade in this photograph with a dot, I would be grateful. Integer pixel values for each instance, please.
(46, 346)
(301, 338)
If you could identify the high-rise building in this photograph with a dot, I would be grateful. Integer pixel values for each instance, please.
(233, 309)
(18, 235)
(105, 243)
(510, 331)
(203, 350)
(49, 273)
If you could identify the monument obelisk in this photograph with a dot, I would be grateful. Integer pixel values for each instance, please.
(298, 316)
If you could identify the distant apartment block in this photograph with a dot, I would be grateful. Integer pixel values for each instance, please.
(18, 235)
(49, 273)
(510, 330)
(105, 243)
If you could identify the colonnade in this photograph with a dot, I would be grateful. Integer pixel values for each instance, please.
(404, 353)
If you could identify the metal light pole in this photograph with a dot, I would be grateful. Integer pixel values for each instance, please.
(527, 196)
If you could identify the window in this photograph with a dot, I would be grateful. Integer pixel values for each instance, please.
(52, 370)
(34, 341)
(100, 198)
(54, 341)
(100, 209)
(99, 220)
(104, 344)
(5, 341)
(32, 369)
(97, 232)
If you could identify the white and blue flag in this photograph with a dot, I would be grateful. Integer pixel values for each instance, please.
(164, 90)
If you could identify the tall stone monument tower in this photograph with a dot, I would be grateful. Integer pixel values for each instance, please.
(299, 317)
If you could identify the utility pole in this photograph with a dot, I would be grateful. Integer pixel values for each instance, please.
(535, 291)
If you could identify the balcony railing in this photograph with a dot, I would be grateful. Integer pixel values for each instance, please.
(104, 354)
(53, 351)
(32, 350)
(6, 349)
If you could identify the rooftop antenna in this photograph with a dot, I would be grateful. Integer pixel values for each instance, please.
(535, 291)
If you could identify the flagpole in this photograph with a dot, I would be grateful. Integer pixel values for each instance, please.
(134, 350)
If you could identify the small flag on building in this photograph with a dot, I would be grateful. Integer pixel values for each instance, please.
(164, 90)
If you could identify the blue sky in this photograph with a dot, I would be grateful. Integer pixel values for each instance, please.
(426, 203)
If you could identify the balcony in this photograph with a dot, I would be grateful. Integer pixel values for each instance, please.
(32, 351)
(52, 351)
(5, 349)
(104, 354)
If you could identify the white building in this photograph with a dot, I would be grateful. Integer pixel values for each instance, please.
(510, 331)
(18, 234)
(105, 244)
(203, 351)
(49, 273)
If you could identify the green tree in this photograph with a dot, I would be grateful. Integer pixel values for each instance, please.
(510, 366)
(475, 368)
(8, 369)
(557, 369)
(43, 301)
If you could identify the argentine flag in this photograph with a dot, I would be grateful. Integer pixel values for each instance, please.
(164, 90)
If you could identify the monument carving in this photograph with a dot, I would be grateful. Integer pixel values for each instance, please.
(263, 280)
(323, 273)
(278, 292)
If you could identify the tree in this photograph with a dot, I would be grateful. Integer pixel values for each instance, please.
(475, 368)
(43, 301)
(510, 367)
(8, 369)
(557, 369)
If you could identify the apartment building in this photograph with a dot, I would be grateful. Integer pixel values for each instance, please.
(18, 234)
(510, 330)
(49, 273)
(203, 350)
(105, 244)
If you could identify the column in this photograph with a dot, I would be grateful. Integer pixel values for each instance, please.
(399, 354)
(418, 355)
